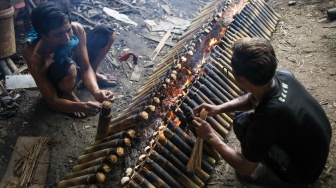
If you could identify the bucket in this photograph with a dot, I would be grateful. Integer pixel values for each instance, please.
(7, 35)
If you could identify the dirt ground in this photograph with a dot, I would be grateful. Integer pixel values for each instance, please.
(304, 44)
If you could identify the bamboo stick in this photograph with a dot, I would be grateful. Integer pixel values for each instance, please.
(110, 144)
(102, 153)
(104, 120)
(111, 159)
(104, 168)
(152, 177)
(128, 123)
(86, 179)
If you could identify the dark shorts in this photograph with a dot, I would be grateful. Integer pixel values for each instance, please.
(97, 39)
(277, 159)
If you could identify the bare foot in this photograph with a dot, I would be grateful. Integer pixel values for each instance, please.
(72, 97)
(106, 80)
(105, 77)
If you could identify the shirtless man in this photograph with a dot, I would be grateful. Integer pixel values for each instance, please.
(51, 43)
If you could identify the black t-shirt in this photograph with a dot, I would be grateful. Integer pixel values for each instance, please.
(291, 118)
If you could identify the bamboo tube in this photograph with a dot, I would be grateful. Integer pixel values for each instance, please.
(178, 164)
(182, 157)
(192, 94)
(172, 170)
(217, 76)
(102, 153)
(222, 90)
(189, 104)
(213, 89)
(152, 177)
(132, 111)
(84, 186)
(133, 184)
(111, 159)
(104, 120)
(152, 166)
(104, 168)
(127, 123)
(143, 182)
(110, 144)
(259, 17)
(129, 134)
(208, 149)
(177, 141)
(86, 179)
(207, 100)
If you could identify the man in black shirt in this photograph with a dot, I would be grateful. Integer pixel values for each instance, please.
(287, 133)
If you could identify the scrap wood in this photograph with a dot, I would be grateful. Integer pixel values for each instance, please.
(150, 37)
(28, 166)
(19, 70)
(160, 45)
(85, 18)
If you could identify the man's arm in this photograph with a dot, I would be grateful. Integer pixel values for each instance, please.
(39, 72)
(231, 156)
(87, 74)
(242, 103)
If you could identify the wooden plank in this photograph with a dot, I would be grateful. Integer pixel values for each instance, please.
(150, 37)
(20, 82)
(23, 144)
(160, 45)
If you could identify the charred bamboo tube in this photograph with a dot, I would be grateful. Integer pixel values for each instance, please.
(223, 54)
(84, 186)
(211, 87)
(177, 141)
(86, 179)
(199, 98)
(178, 112)
(270, 10)
(143, 182)
(262, 16)
(111, 159)
(222, 60)
(207, 100)
(192, 94)
(178, 164)
(152, 177)
(224, 51)
(102, 153)
(253, 25)
(104, 168)
(208, 93)
(218, 76)
(242, 24)
(104, 120)
(220, 130)
(172, 170)
(220, 88)
(133, 184)
(267, 17)
(110, 144)
(127, 123)
(262, 9)
(176, 129)
(259, 17)
(122, 134)
(152, 166)
(253, 19)
(149, 109)
(182, 157)
(234, 33)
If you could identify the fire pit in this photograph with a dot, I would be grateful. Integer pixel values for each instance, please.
(196, 70)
